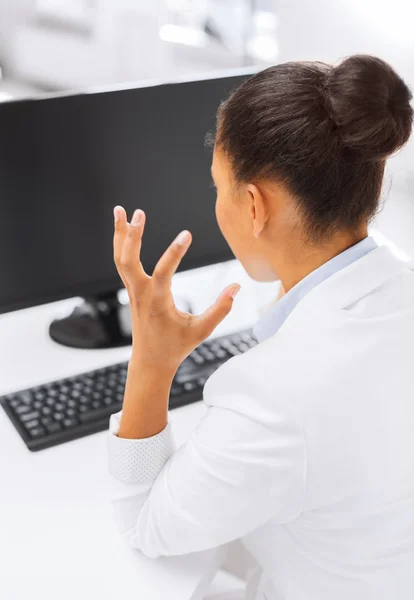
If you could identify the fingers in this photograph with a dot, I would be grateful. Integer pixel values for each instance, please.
(130, 260)
(170, 260)
(127, 246)
(120, 229)
(213, 316)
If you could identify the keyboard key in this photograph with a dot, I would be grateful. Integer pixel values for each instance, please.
(26, 398)
(70, 412)
(203, 350)
(31, 424)
(235, 338)
(20, 410)
(58, 416)
(182, 377)
(37, 432)
(46, 410)
(29, 416)
(199, 360)
(95, 415)
(246, 337)
(14, 402)
(233, 350)
(37, 404)
(53, 427)
(50, 402)
(243, 347)
(189, 386)
(70, 422)
(226, 343)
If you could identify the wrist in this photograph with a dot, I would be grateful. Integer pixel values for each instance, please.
(145, 406)
(151, 370)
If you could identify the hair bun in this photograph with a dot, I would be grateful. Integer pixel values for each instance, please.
(370, 105)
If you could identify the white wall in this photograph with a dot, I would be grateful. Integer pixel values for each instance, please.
(12, 13)
(331, 29)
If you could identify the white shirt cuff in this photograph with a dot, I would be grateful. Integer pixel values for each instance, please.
(138, 461)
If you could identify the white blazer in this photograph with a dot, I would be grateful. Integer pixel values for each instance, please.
(306, 452)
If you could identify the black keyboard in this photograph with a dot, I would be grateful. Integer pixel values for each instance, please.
(71, 408)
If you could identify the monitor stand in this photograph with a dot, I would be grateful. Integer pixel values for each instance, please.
(101, 321)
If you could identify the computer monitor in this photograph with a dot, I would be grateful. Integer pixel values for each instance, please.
(66, 161)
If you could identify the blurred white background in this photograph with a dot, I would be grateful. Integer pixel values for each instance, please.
(67, 44)
(53, 45)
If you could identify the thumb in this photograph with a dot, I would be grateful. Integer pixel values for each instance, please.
(213, 316)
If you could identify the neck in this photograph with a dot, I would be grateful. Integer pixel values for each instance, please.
(293, 262)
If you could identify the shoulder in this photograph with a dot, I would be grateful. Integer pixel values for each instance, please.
(251, 383)
(273, 377)
(269, 360)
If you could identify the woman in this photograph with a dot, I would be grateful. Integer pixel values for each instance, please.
(306, 452)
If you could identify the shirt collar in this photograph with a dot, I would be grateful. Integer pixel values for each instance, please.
(274, 317)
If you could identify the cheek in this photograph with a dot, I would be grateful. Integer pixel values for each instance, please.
(221, 215)
(228, 219)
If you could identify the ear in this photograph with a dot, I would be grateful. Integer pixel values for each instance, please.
(258, 209)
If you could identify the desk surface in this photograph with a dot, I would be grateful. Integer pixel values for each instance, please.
(57, 537)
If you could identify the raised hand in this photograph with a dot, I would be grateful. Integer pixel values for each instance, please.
(161, 334)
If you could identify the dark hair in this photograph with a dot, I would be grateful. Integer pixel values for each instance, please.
(323, 131)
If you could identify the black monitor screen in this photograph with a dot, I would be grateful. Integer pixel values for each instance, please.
(66, 161)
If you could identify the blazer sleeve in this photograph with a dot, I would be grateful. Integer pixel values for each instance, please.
(245, 464)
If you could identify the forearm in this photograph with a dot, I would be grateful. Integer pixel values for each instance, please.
(162, 335)
(145, 406)
(232, 475)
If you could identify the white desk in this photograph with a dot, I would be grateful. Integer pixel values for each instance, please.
(57, 537)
